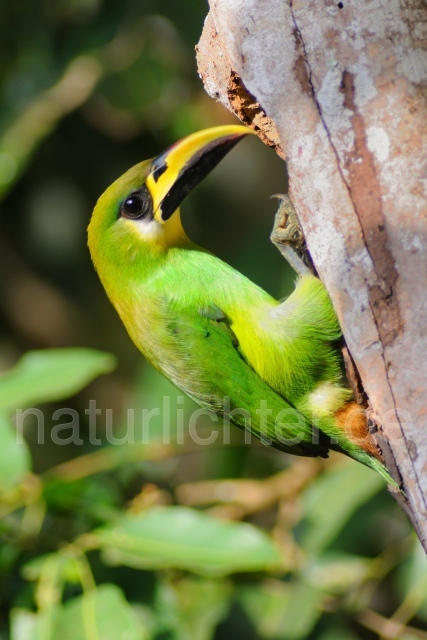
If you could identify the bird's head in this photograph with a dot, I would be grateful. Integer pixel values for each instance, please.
(139, 213)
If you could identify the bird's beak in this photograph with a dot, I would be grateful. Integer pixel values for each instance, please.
(176, 171)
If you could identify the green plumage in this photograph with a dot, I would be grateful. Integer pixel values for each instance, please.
(217, 336)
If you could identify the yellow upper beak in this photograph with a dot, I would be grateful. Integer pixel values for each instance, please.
(176, 171)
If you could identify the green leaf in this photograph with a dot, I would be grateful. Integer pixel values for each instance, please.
(15, 459)
(191, 607)
(27, 625)
(103, 614)
(23, 625)
(331, 501)
(51, 374)
(187, 539)
(282, 611)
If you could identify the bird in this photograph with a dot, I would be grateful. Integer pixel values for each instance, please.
(272, 367)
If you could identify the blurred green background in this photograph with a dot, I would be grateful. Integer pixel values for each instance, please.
(161, 540)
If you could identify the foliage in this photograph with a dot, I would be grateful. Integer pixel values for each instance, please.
(102, 567)
(109, 529)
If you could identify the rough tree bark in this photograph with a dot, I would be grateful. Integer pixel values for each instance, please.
(339, 89)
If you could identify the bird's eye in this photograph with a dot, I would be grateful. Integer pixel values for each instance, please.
(132, 207)
(138, 205)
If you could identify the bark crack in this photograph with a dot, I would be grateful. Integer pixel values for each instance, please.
(251, 112)
(389, 336)
(217, 71)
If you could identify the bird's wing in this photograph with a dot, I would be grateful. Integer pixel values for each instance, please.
(200, 354)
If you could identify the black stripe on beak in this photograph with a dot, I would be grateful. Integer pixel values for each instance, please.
(200, 165)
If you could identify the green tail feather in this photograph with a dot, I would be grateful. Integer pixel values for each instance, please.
(380, 468)
(372, 463)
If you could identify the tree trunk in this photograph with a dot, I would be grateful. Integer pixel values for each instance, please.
(339, 89)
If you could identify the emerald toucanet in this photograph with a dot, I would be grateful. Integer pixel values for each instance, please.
(216, 335)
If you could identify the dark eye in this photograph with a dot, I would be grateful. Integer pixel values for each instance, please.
(137, 205)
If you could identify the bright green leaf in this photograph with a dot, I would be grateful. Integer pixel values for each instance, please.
(27, 625)
(103, 614)
(282, 611)
(51, 374)
(192, 607)
(331, 501)
(23, 624)
(187, 539)
(15, 459)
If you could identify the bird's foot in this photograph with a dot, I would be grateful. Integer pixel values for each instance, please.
(288, 236)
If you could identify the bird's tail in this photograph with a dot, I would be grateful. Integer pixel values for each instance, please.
(366, 459)
(377, 466)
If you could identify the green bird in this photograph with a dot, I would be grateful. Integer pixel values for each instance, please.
(273, 367)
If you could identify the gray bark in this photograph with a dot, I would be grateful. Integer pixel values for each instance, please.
(339, 89)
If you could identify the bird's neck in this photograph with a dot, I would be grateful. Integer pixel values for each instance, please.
(174, 234)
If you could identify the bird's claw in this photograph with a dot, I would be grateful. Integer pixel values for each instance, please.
(288, 236)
